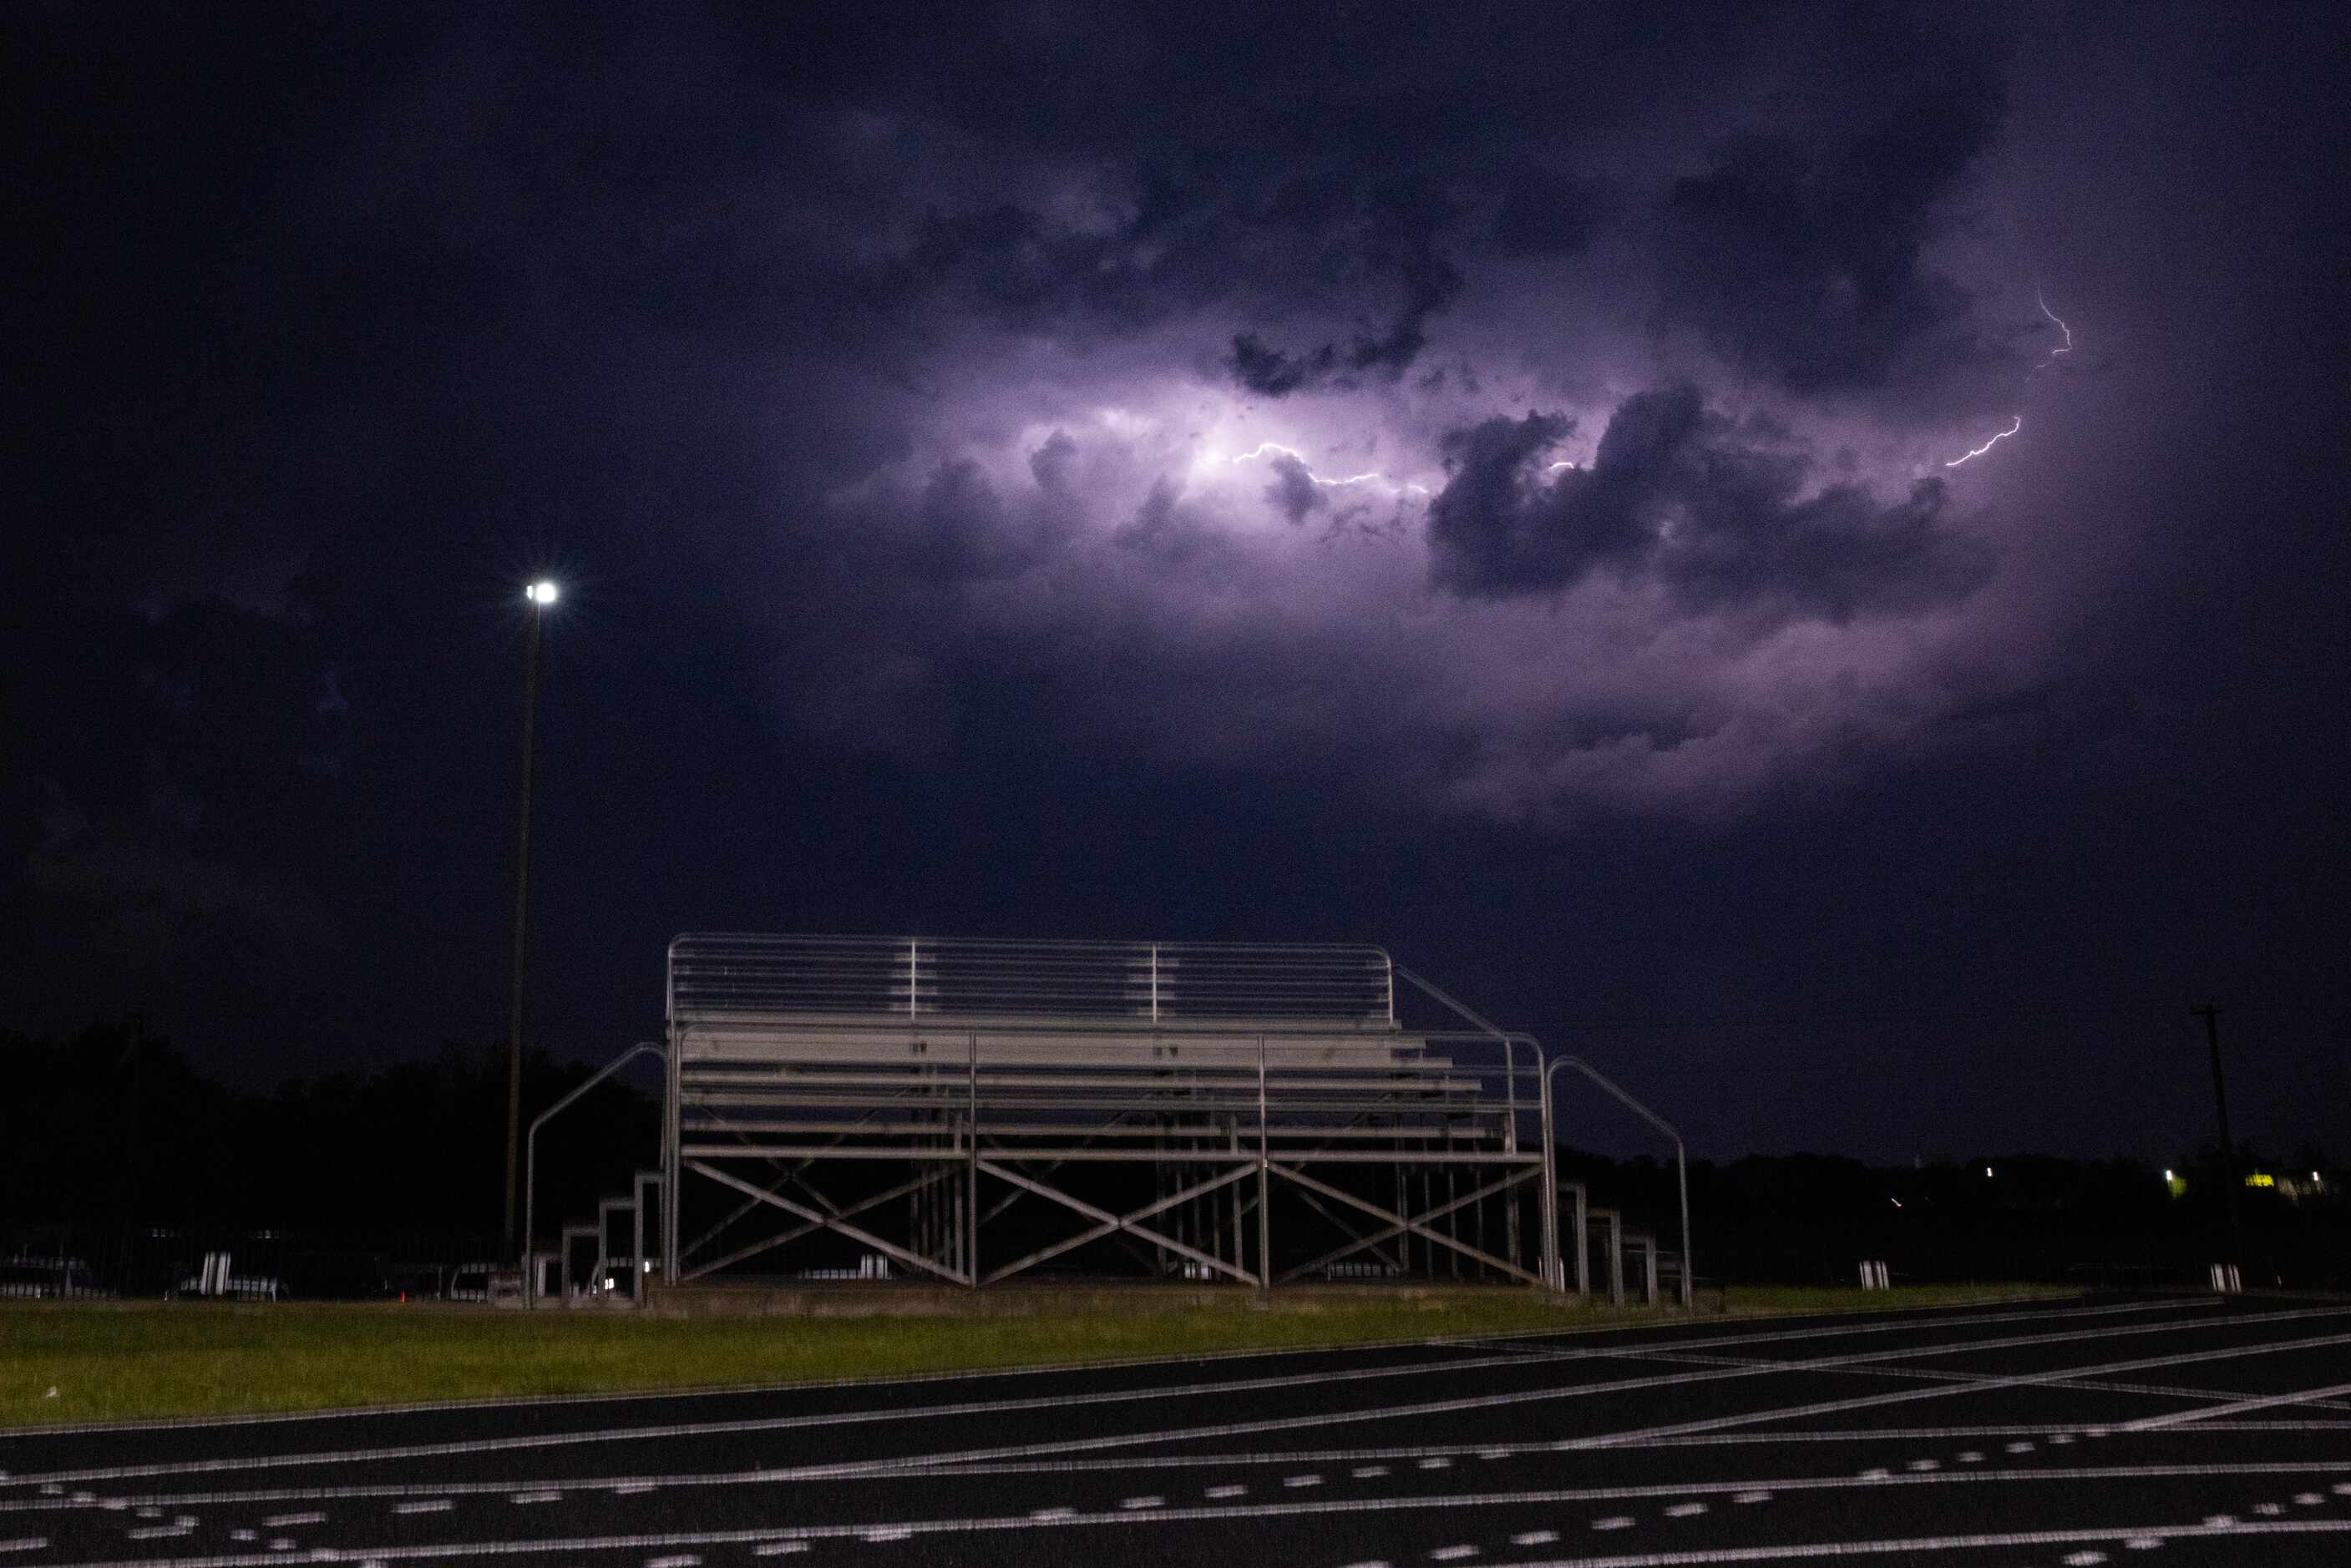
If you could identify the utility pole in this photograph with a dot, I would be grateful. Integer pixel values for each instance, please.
(2210, 1013)
(540, 595)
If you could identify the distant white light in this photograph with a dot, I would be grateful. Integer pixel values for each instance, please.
(2167, 1173)
(1987, 1170)
(541, 593)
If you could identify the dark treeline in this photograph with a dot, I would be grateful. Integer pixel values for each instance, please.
(114, 1127)
(1812, 1219)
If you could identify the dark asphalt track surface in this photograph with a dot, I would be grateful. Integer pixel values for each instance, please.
(2150, 1432)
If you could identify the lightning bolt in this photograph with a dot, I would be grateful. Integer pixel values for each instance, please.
(1987, 446)
(1373, 475)
(2065, 347)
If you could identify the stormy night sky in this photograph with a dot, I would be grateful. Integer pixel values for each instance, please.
(1482, 480)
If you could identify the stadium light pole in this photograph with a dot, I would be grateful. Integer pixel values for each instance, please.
(542, 594)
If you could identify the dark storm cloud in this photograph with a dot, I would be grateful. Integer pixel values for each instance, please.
(1395, 231)
(1798, 254)
(1293, 492)
(1542, 213)
(1678, 497)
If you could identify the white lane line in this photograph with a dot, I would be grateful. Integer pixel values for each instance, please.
(1096, 1445)
(676, 1560)
(1452, 1553)
(2083, 1558)
(1436, 1463)
(1146, 1501)
(1178, 1461)
(886, 1533)
(1686, 1510)
(2140, 1539)
(1302, 1480)
(25, 1543)
(1878, 1362)
(1342, 1456)
(787, 1423)
(529, 1497)
(780, 1548)
(280, 1521)
(2236, 1407)
(1613, 1521)
(1534, 1538)
(511, 1548)
(1368, 1472)
(1751, 1489)
(1910, 1396)
(161, 1531)
(999, 1406)
(2308, 1498)
(1047, 1515)
(1893, 1325)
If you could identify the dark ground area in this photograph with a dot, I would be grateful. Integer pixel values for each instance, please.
(2079, 1432)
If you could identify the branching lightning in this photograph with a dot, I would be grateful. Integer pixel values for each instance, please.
(2017, 423)
(1987, 446)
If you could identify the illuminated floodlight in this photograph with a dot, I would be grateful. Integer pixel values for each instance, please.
(541, 593)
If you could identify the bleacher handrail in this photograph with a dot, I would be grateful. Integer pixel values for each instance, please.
(918, 979)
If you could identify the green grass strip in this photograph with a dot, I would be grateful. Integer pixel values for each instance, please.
(119, 1362)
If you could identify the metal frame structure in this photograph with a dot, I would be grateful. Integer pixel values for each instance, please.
(897, 1097)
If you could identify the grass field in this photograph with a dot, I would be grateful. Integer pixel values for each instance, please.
(70, 1363)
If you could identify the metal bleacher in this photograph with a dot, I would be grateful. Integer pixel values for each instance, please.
(968, 1110)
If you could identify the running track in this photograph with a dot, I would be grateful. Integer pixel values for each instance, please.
(2149, 1432)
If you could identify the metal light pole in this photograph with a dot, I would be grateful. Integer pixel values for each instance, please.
(541, 594)
(2210, 1013)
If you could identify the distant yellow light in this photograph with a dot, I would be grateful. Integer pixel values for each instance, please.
(2261, 1178)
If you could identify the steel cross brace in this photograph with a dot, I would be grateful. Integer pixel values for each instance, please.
(830, 1222)
(794, 1235)
(1337, 1224)
(1109, 1221)
(749, 1203)
(1397, 1228)
(1398, 1222)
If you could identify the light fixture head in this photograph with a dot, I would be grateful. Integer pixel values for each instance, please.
(541, 593)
